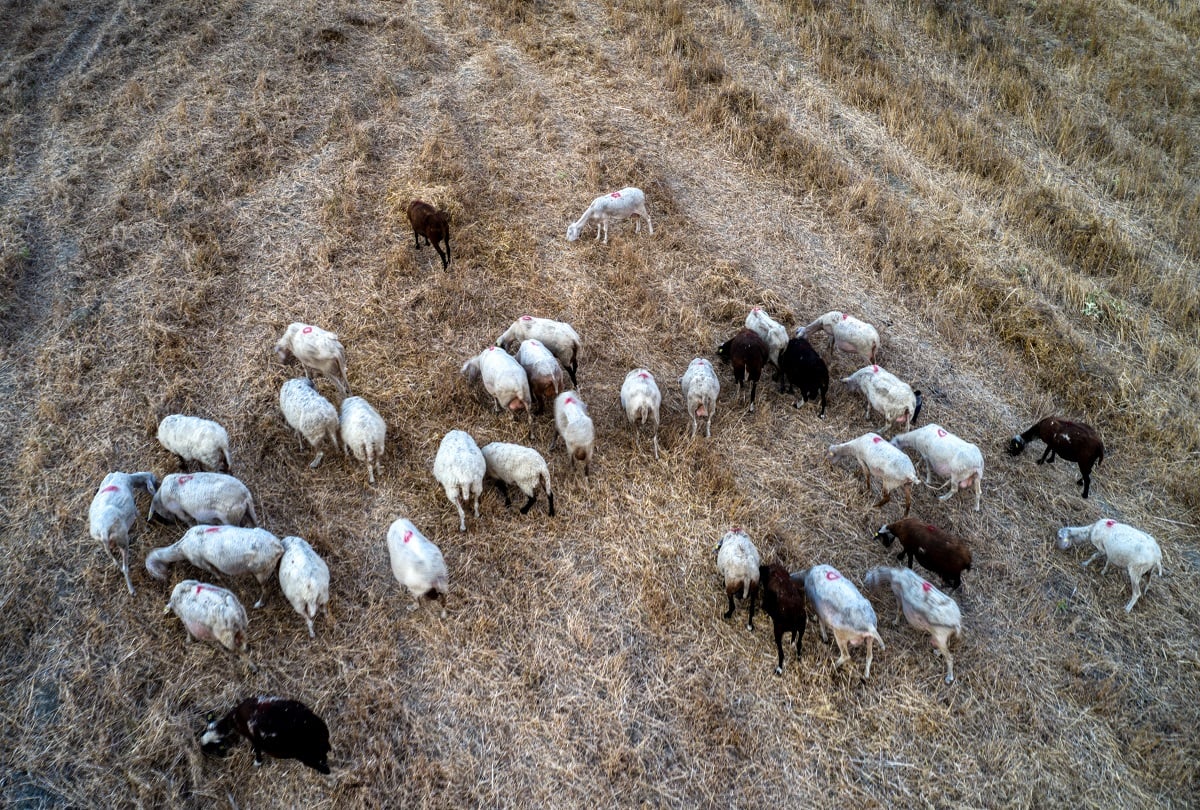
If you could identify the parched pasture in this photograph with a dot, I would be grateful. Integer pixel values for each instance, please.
(1006, 189)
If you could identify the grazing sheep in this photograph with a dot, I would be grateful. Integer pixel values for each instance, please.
(783, 601)
(194, 439)
(877, 457)
(113, 513)
(560, 338)
(842, 609)
(431, 223)
(317, 350)
(748, 353)
(1074, 441)
(203, 497)
(363, 433)
(617, 206)
(503, 379)
(938, 551)
(459, 467)
(228, 550)
(947, 456)
(304, 579)
(575, 428)
(924, 606)
(770, 330)
(210, 614)
(521, 466)
(738, 562)
(310, 415)
(544, 371)
(800, 365)
(846, 333)
(1119, 544)
(275, 726)
(886, 393)
(642, 401)
(417, 564)
(700, 391)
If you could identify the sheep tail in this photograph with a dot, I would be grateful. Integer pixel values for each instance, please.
(228, 460)
(545, 476)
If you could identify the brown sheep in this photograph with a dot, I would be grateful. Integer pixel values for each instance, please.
(431, 223)
(938, 551)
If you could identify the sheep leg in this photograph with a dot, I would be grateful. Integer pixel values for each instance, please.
(1137, 590)
(462, 516)
(1086, 480)
(1047, 456)
(843, 649)
(729, 596)
(943, 649)
(753, 391)
(978, 489)
(887, 496)
(908, 498)
(262, 595)
(899, 612)
(316, 462)
(870, 655)
(503, 487)
(311, 632)
(656, 441)
(477, 505)
(779, 648)
(125, 569)
(528, 504)
(1092, 558)
(824, 637)
(444, 257)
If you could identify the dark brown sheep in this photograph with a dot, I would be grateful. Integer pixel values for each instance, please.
(783, 600)
(278, 727)
(748, 353)
(431, 223)
(1074, 441)
(942, 553)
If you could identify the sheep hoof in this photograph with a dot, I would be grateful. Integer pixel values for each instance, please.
(778, 670)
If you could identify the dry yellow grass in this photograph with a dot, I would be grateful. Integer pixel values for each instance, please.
(1006, 188)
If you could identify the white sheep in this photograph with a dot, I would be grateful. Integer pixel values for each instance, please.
(503, 378)
(417, 564)
(211, 614)
(642, 402)
(924, 606)
(310, 415)
(888, 394)
(738, 562)
(363, 433)
(459, 467)
(575, 428)
(770, 330)
(616, 206)
(842, 609)
(559, 337)
(1119, 544)
(544, 371)
(228, 550)
(947, 456)
(194, 439)
(846, 333)
(317, 349)
(203, 497)
(523, 467)
(304, 579)
(879, 458)
(700, 391)
(114, 512)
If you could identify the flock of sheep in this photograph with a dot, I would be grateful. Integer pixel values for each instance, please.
(526, 370)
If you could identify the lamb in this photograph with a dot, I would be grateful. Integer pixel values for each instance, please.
(886, 393)
(842, 609)
(304, 579)
(1120, 544)
(1074, 441)
(317, 350)
(642, 401)
(114, 512)
(948, 456)
(700, 391)
(459, 467)
(228, 550)
(280, 728)
(544, 371)
(938, 551)
(210, 614)
(203, 497)
(310, 415)
(889, 465)
(191, 438)
(417, 564)
(924, 606)
(363, 433)
(748, 353)
(575, 428)
(560, 338)
(783, 601)
(770, 330)
(617, 206)
(800, 365)
(503, 379)
(846, 333)
(431, 223)
(738, 562)
(521, 466)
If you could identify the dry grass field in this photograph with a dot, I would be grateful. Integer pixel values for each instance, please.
(1007, 188)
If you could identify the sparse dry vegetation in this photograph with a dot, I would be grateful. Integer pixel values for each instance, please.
(1006, 187)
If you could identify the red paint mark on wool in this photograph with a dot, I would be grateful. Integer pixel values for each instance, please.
(941, 433)
(874, 369)
(644, 375)
(527, 317)
(212, 529)
(306, 329)
(757, 309)
(931, 527)
(110, 488)
(832, 575)
(615, 194)
(845, 317)
(407, 536)
(569, 401)
(183, 479)
(491, 348)
(877, 440)
(925, 586)
(1110, 523)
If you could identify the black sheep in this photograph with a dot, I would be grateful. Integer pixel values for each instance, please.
(281, 728)
(783, 600)
(800, 365)
(1074, 441)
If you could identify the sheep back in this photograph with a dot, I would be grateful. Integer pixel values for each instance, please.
(211, 614)
(203, 497)
(417, 563)
(195, 439)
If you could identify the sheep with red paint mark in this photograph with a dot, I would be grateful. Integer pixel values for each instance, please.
(770, 330)
(747, 353)
(1119, 544)
(432, 224)
(459, 467)
(701, 387)
(229, 550)
(191, 438)
(844, 611)
(210, 614)
(924, 606)
(611, 208)
(560, 338)
(641, 401)
(504, 380)
(275, 726)
(544, 371)
(938, 551)
(203, 497)
(1074, 441)
(114, 512)
(318, 351)
(783, 600)
(417, 564)
(947, 456)
(575, 428)
(304, 579)
(739, 564)
(878, 458)
(888, 394)
(846, 333)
